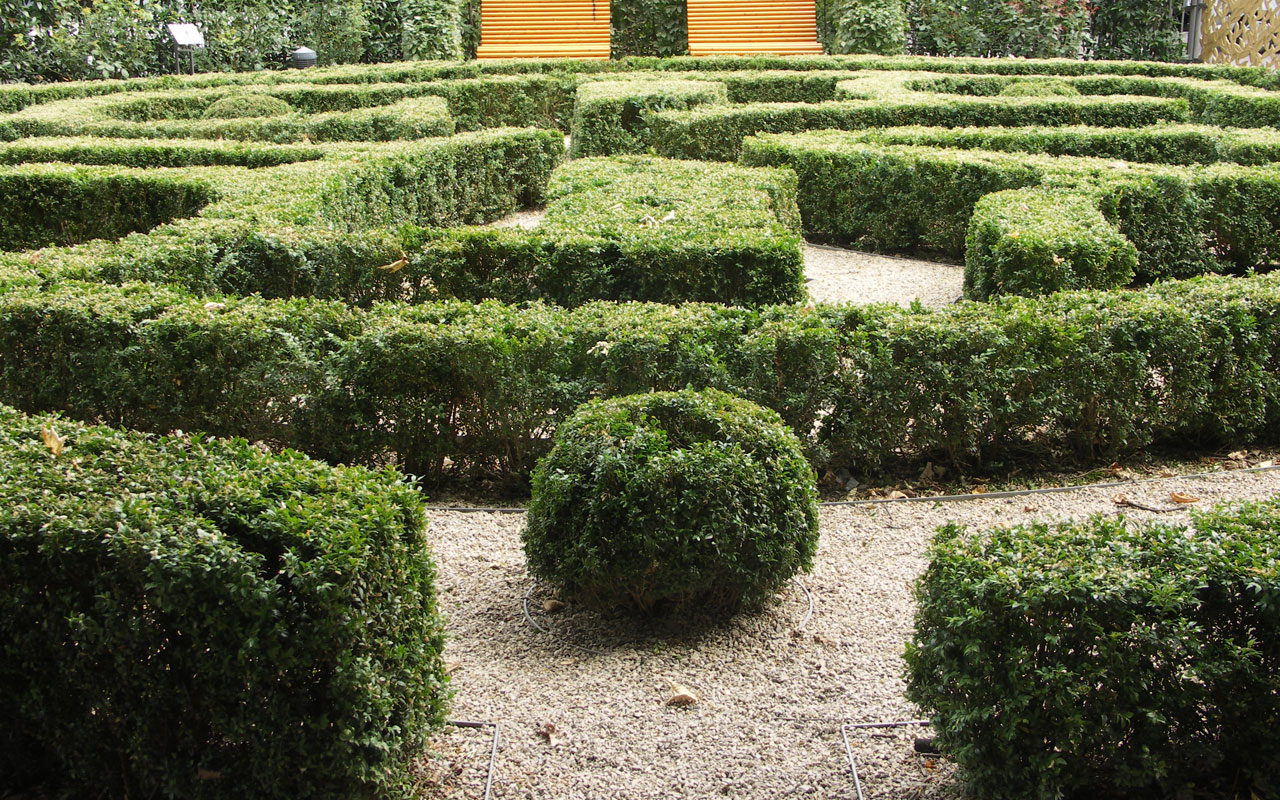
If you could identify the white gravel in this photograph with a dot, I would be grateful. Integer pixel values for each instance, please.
(773, 698)
(526, 218)
(841, 275)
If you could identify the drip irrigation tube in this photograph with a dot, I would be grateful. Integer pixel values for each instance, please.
(848, 750)
(493, 751)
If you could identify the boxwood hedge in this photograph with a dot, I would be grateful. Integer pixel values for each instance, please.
(672, 502)
(1221, 218)
(449, 390)
(362, 356)
(186, 616)
(1105, 656)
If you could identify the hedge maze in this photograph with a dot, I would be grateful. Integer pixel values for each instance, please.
(303, 259)
(317, 273)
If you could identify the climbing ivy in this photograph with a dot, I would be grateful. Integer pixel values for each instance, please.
(649, 27)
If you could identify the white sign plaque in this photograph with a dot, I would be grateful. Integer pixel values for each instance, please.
(186, 35)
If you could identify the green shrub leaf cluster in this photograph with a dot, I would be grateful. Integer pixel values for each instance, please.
(181, 605)
(1104, 656)
(672, 502)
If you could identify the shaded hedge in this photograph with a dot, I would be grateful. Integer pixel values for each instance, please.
(1104, 656)
(609, 116)
(195, 617)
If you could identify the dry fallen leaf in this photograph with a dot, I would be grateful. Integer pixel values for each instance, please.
(208, 774)
(1179, 497)
(1029, 508)
(897, 495)
(52, 441)
(979, 489)
(450, 666)
(1239, 455)
(681, 695)
(1167, 473)
(395, 266)
(553, 605)
(1117, 471)
(214, 306)
(549, 732)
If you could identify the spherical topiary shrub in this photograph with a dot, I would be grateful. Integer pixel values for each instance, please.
(659, 502)
(247, 105)
(1040, 87)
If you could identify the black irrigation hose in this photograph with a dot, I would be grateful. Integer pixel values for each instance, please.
(493, 752)
(941, 498)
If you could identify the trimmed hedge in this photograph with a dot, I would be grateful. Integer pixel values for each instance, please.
(716, 133)
(14, 97)
(179, 608)
(469, 178)
(154, 152)
(609, 116)
(57, 204)
(670, 231)
(450, 389)
(1219, 218)
(886, 99)
(453, 390)
(180, 116)
(1104, 656)
(247, 105)
(1157, 144)
(1027, 241)
(633, 229)
(672, 502)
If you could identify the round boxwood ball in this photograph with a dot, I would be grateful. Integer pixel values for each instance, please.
(669, 501)
(247, 105)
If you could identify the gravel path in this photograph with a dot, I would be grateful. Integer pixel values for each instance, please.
(525, 218)
(772, 697)
(840, 275)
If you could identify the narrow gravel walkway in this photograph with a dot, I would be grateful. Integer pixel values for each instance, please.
(840, 275)
(576, 724)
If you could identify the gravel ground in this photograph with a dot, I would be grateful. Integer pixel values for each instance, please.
(773, 697)
(524, 218)
(840, 275)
